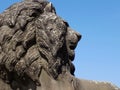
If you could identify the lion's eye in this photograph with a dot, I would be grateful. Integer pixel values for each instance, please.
(61, 26)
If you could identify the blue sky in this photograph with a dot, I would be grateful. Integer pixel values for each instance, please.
(98, 52)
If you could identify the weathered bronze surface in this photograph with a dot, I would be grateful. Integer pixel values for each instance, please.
(37, 50)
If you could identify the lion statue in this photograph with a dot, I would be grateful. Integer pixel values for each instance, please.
(37, 50)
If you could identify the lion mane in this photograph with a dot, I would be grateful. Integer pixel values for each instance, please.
(37, 50)
(32, 38)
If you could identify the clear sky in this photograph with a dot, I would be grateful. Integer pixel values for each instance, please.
(98, 52)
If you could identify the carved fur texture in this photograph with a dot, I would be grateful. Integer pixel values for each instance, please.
(37, 50)
(32, 38)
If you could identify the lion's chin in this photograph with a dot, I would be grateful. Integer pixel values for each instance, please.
(71, 55)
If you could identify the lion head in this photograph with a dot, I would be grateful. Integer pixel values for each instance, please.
(33, 37)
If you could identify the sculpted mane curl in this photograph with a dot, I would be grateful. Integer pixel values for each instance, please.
(32, 38)
(37, 50)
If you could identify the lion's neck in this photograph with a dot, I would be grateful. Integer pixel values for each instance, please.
(48, 83)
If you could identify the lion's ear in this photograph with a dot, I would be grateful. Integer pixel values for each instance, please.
(49, 8)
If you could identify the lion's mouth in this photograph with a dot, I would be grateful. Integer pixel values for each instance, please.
(72, 47)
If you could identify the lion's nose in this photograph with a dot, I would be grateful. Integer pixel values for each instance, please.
(78, 35)
(73, 36)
